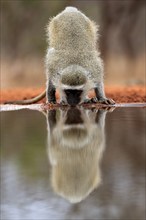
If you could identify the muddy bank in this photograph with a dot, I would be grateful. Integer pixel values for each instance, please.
(119, 93)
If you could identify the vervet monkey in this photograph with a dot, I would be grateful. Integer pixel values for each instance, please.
(73, 63)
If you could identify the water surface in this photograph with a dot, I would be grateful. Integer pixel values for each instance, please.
(73, 164)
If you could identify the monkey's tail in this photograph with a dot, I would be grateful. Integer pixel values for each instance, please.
(28, 101)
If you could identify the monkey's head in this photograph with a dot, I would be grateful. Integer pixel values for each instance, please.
(73, 96)
(74, 85)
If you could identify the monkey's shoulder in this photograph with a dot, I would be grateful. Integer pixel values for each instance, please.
(57, 60)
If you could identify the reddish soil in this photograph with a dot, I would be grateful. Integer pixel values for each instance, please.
(118, 93)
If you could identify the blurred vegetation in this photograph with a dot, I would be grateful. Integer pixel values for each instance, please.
(124, 27)
(122, 33)
(23, 24)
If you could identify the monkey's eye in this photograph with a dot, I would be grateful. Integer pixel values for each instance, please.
(73, 92)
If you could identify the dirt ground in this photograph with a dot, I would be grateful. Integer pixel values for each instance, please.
(121, 94)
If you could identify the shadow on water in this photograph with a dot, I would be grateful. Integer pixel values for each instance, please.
(73, 163)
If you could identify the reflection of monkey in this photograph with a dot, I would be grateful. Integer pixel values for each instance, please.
(75, 146)
(73, 64)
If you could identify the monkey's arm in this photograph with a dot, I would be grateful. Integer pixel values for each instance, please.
(100, 95)
(51, 90)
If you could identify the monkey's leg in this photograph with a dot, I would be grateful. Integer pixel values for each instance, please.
(100, 95)
(51, 92)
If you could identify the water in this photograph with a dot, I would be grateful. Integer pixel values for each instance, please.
(75, 164)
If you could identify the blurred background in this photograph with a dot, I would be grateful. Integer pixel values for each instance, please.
(23, 39)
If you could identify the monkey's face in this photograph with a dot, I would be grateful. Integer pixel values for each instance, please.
(73, 96)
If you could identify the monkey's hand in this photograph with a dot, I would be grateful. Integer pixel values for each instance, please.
(62, 102)
(87, 101)
(52, 102)
(106, 101)
(92, 100)
(102, 100)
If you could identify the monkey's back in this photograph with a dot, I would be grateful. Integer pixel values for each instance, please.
(72, 40)
(72, 30)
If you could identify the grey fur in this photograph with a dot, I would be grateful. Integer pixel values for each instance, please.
(72, 51)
